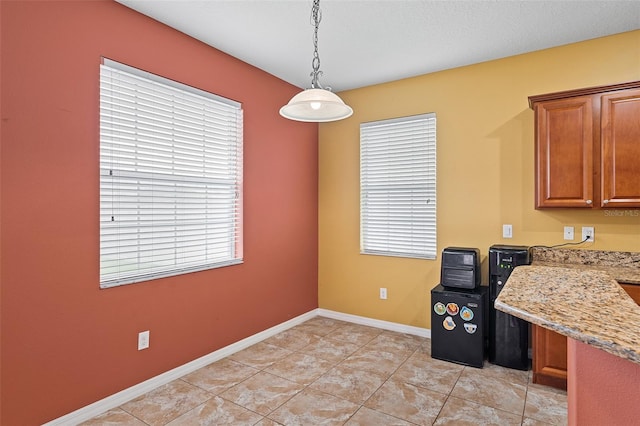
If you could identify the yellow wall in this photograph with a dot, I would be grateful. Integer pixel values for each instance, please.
(485, 172)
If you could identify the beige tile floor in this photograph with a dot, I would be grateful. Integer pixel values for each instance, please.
(329, 372)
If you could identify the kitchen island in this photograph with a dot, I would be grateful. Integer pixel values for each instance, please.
(602, 324)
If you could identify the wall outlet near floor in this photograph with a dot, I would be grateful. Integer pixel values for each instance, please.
(507, 231)
(588, 234)
(568, 233)
(143, 340)
(383, 293)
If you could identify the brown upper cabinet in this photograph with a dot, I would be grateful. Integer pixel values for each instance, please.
(587, 147)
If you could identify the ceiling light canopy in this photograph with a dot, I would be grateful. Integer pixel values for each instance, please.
(317, 104)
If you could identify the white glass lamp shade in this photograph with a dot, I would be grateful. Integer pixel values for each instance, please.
(317, 105)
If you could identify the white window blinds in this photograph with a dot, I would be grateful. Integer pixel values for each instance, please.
(398, 187)
(170, 177)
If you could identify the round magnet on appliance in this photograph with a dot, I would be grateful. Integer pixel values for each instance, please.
(449, 323)
(452, 309)
(470, 328)
(466, 314)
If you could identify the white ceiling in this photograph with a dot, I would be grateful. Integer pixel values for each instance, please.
(368, 42)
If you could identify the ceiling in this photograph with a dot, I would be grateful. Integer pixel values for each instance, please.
(368, 42)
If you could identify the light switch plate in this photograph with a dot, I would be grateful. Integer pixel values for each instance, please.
(568, 233)
(507, 231)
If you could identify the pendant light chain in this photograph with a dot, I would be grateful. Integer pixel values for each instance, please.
(317, 104)
(316, 17)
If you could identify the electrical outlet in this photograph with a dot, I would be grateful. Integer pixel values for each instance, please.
(507, 231)
(383, 293)
(588, 234)
(143, 340)
(568, 233)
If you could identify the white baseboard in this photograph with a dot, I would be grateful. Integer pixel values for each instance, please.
(117, 399)
(92, 410)
(385, 325)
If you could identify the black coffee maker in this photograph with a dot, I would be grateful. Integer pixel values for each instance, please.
(508, 335)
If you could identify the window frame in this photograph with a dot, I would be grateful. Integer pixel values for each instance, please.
(398, 187)
(162, 147)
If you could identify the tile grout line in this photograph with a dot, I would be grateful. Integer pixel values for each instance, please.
(387, 380)
(360, 347)
(361, 405)
(524, 406)
(449, 393)
(286, 345)
(307, 386)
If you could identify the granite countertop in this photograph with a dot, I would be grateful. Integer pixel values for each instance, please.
(621, 274)
(622, 266)
(578, 300)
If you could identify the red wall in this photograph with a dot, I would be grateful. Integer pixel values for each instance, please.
(65, 342)
(602, 389)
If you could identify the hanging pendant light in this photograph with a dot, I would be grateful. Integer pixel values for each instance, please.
(317, 104)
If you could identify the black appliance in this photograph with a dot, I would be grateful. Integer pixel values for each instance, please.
(460, 267)
(458, 325)
(508, 335)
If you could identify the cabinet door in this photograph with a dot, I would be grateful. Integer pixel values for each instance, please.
(632, 290)
(620, 122)
(549, 358)
(564, 153)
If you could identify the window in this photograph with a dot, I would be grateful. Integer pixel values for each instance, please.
(398, 187)
(170, 177)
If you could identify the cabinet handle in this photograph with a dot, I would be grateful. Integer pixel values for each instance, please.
(605, 201)
(589, 201)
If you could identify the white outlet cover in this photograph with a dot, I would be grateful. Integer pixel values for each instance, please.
(143, 340)
(507, 231)
(588, 231)
(383, 293)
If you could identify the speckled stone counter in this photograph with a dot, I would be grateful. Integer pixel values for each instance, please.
(623, 266)
(585, 304)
